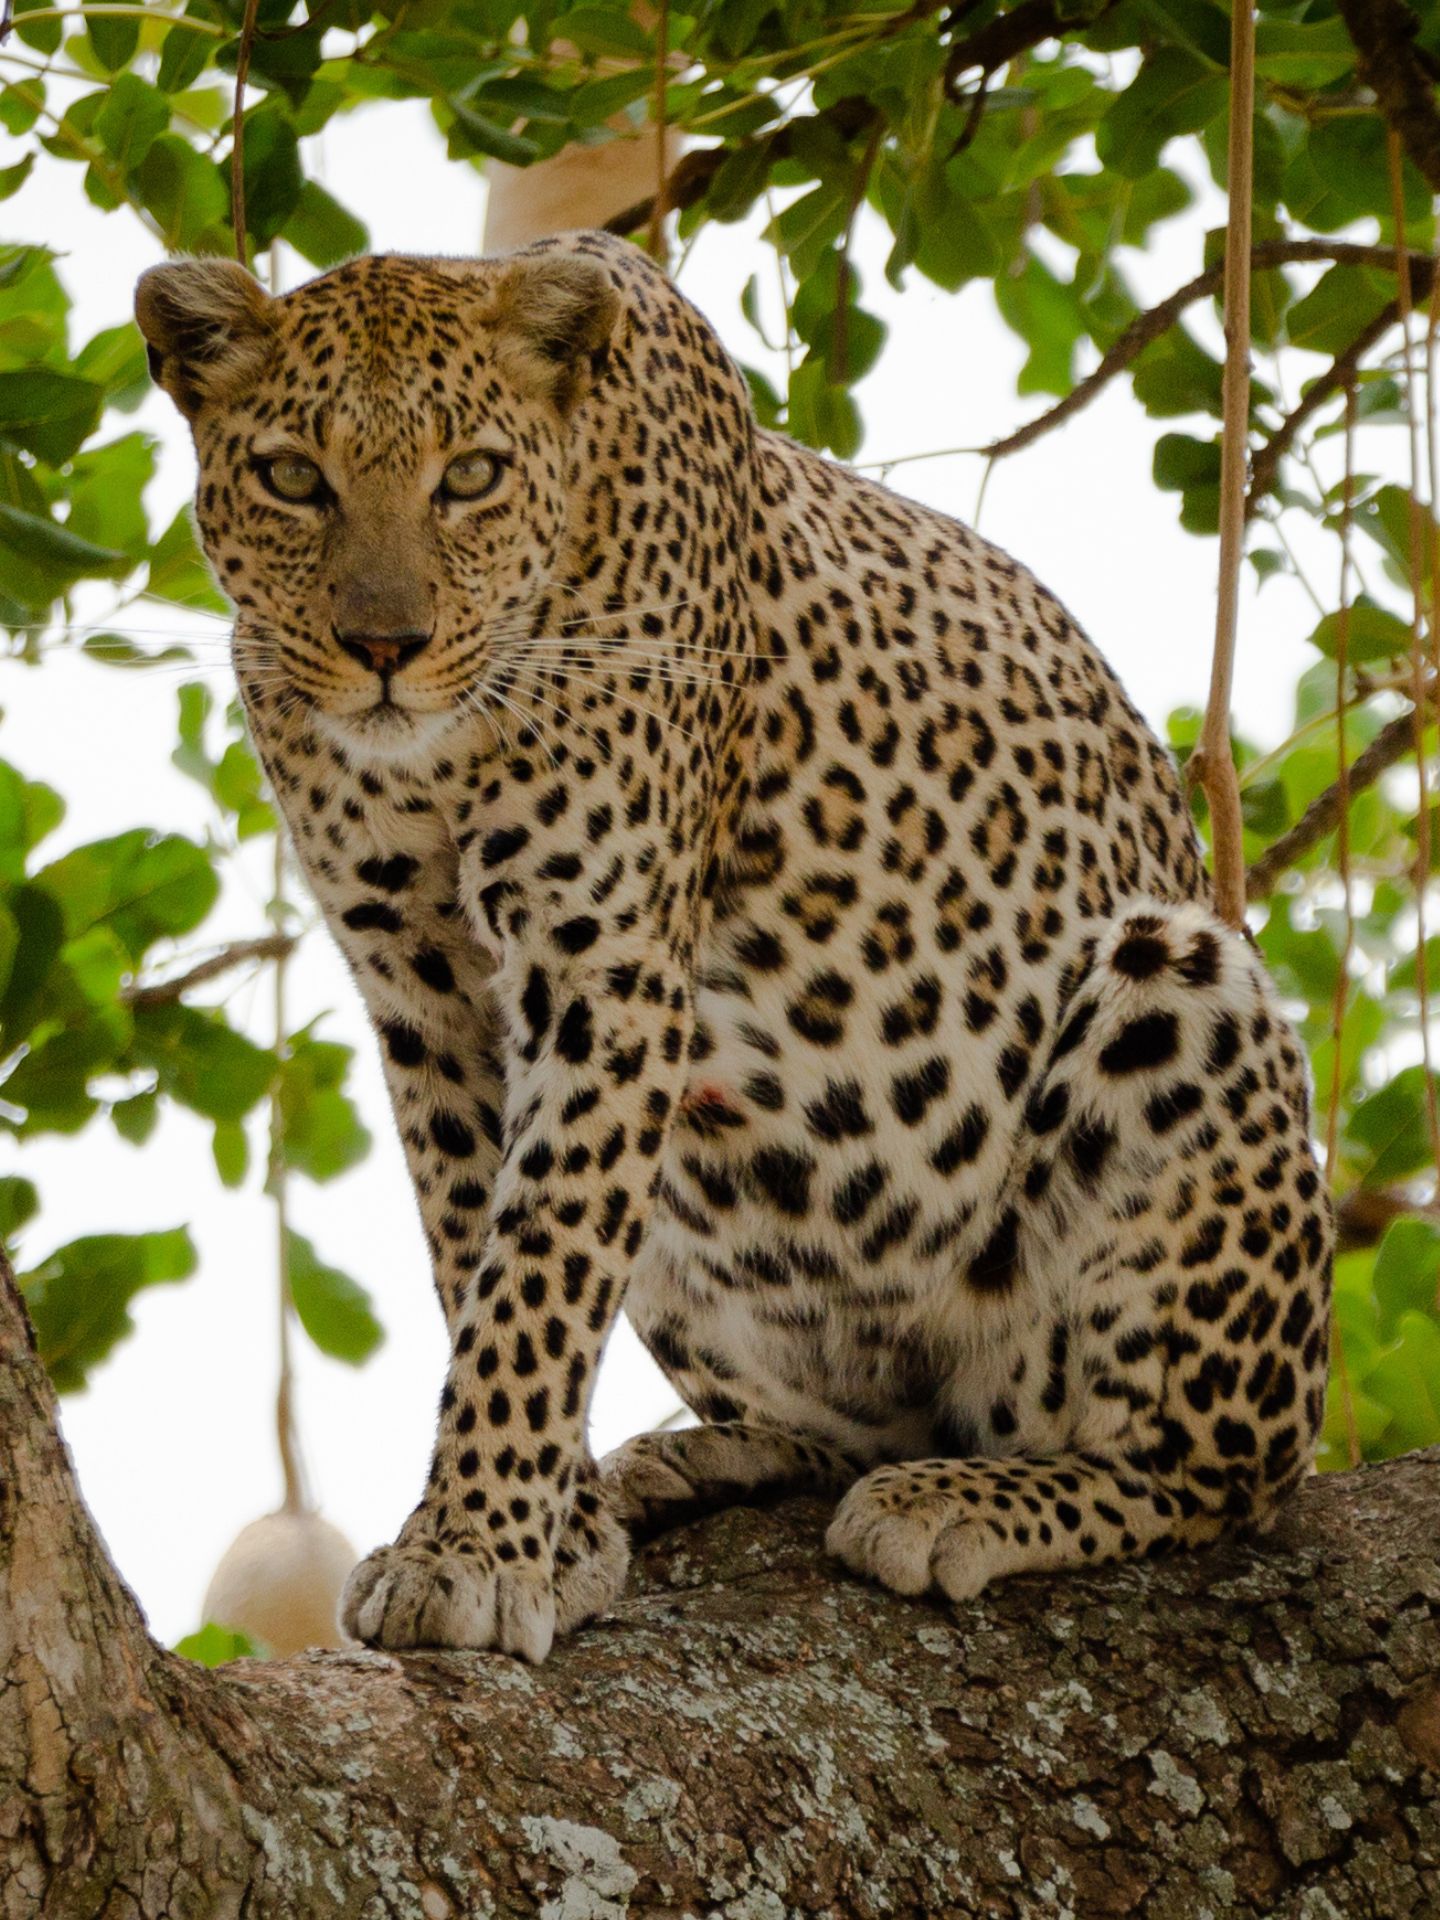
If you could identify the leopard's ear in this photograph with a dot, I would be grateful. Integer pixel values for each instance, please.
(554, 315)
(208, 325)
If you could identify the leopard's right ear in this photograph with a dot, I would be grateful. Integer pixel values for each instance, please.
(208, 326)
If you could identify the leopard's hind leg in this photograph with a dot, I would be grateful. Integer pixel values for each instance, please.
(1166, 1218)
(661, 1480)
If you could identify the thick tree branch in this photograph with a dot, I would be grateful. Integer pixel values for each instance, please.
(1252, 1731)
(1395, 740)
(1401, 75)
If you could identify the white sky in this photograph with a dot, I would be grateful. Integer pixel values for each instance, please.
(174, 1437)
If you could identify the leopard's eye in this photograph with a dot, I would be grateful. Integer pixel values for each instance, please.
(471, 476)
(293, 477)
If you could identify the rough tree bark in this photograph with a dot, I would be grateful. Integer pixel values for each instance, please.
(1250, 1732)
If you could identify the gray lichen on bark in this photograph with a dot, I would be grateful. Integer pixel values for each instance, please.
(1253, 1732)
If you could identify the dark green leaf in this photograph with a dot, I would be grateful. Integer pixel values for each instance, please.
(322, 230)
(114, 38)
(48, 413)
(333, 1309)
(1175, 92)
(131, 120)
(201, 1061)
(19, 1202)
(78, 1298)
(1374, 633)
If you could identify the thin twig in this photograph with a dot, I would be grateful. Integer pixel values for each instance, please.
(1389, 747)
(655, 245)
(292, 1463)
(237, 133)
(165, 993)
(1217, 760)
(1417, 649)
(1342, 976)
(1155, 321)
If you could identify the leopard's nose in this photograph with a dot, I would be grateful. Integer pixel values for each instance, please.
(383, 653)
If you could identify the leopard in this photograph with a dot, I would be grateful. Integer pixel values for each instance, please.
(776, 923)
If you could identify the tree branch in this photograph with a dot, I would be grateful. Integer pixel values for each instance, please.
(750, 1732)
(1389, 747)
(1265, 464)
(1149, 326)
(164, 993)
(1401, 76)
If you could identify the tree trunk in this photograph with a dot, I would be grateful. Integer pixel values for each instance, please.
(1253, 1731)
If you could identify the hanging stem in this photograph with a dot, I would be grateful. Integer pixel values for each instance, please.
(237, 134)
(297, 1499)
(1418, 552)
(1342, 852)
(655, 244)
(1217, 763)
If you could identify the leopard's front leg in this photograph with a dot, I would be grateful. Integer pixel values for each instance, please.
(598, 1033)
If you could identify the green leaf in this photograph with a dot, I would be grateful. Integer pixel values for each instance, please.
(39, 559)
(19, 1202)
(183, 54)
(472, 132)
(1387, 1134)
(1174, 93)
(1045, 312)
(231, 1148)
(602, 30)
(105, 495)
(321, 1134)
(274, 180)
(13, 178)
(40, 928)
(201, 1061)
(216, 1646)
(323, 231)
(1407, 1272)
(1374, 634)
(78, 1298)
(1175, 375)
(1303, 54)
(1340, 305)
(1407, 1381)
(186, 194)
(178, 571)
(1182, 462)
(131, 120)
(48, 413)
(114, 38)
(144, 886)
(333, 1309)
(135, 1118)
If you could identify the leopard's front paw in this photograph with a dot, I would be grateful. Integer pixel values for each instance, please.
(912, 1531)
(420, 1593)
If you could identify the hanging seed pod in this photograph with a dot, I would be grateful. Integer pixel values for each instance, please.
(279, 1583)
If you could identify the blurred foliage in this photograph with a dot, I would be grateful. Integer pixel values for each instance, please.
(1032, 148)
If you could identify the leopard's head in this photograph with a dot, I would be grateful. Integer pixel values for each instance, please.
(383, 463)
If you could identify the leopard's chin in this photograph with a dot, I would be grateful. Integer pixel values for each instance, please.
(387, 733)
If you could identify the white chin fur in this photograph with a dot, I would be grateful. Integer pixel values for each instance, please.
(385, 735)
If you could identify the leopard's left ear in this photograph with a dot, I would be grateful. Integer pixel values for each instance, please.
(554, 315)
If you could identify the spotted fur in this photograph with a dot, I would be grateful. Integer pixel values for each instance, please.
(773, 917)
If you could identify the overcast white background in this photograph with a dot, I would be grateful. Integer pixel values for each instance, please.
(174, 1437)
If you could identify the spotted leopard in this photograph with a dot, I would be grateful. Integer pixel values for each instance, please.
(776, 921)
